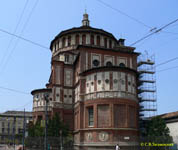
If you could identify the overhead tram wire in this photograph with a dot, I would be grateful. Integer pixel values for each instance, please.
(14, 90)
(22, 38)
(168, 69)
(28, 18)
(156, 31)
(167, 61)
(128, 16)
(23, 106)
(15, 30)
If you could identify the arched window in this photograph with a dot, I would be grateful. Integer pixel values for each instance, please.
(63, 42)
(77, 39)
(121, 65)
(105, 42)
(92, 40)
(109, 64)
(69, 40)
(98, 40)
(84, 39)
(96, 63)
(110, 44)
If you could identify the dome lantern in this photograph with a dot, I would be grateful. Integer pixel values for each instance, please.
(85, 21)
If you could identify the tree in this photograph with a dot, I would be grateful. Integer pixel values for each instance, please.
(55, 125)
(36, 130)
(157, 131)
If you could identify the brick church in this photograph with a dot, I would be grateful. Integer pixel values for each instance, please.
(93, 87)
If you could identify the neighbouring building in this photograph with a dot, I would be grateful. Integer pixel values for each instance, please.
(172, 123)
(94, 87)
(12, 123)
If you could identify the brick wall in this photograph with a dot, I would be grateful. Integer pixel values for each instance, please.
(103, 116)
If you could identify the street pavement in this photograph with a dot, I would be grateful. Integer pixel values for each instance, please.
(8, 147)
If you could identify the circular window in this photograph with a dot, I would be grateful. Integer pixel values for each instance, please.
(115, 80)
(107, 81)
(121, 65)
(92, 83)
(65, 96)
(70, 96)
(96, 63)
(133, 85)
(99, 81)
(123, 82)
(109, 64)
(129, 83)
(87, 84)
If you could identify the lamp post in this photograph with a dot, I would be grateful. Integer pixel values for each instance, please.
(46, 96)
(24, 128)
(61, 139)
(14, 131)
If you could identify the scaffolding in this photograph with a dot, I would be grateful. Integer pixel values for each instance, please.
(146, 86)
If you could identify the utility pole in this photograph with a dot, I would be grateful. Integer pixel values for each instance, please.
(61, 139)
(24, 128)
(46, 96)
(14, 132)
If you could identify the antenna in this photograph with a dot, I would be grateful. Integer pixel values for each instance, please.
(85, 6)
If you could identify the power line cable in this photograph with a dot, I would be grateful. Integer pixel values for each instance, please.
(14, 90)
(167, 61)
(21, 33)
(156, 31)
(15, 30)
(22, 38)
(168, 69)
(128, 16)
(23, 106)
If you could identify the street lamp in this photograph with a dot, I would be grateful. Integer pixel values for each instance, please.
(24, 128)
(13, 130)
(46, 96)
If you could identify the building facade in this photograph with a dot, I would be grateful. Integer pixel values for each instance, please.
(93, 86)
(171, 120)
(12, 123)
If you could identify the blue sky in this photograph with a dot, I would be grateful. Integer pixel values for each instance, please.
(24, 66)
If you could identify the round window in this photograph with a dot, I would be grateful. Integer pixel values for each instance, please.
(107, 81)
(99, 81)
(123, 82)
(96, 62)
(109, 64)
(115, 81)
(92, 83)
(129, 83)
(87, 84)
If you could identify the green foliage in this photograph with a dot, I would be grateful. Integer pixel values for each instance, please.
(157, 131)
(36, 130)
(55, 125)
(157, 127)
